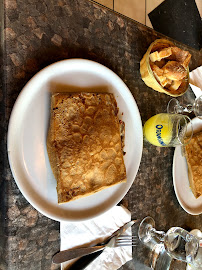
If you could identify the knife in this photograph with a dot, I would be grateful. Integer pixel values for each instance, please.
(84, 261)
(65, 255)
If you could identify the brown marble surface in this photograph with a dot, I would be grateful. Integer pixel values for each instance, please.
(36, 33)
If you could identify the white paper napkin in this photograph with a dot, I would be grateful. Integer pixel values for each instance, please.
(196, 81)
(93, 231)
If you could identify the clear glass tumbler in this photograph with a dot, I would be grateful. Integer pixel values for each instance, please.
(168, 130)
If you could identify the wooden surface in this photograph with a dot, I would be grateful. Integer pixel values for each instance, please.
(136, 9)
(38, 33)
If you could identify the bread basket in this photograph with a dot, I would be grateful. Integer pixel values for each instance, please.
(147, 73)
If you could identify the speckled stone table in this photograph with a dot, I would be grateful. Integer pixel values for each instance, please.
(36, 33)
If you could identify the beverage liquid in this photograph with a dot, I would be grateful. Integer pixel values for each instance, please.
(158, 129)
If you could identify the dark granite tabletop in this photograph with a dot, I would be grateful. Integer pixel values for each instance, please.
(36, 33)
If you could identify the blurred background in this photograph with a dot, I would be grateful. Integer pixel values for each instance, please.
(163, 16)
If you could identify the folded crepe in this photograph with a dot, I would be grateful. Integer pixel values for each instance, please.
(84, 144)
(193, 153)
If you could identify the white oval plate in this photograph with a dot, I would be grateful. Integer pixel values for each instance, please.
(182, 189)
(27, 134)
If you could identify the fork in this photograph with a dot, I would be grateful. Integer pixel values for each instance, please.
(116, 241)
(121, 241)
(126, 240)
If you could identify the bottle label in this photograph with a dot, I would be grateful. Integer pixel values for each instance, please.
(159, 135)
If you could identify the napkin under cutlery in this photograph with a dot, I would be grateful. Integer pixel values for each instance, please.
(93, 231)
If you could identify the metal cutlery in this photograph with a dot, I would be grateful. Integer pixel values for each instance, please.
(112, 241)
(126, 240)
(84, 261)
(116, 241)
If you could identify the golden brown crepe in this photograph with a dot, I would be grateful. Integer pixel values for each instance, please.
(84, 144)
(193, 152)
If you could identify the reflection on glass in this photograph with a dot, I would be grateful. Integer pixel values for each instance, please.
(178, 243)
(175, 107)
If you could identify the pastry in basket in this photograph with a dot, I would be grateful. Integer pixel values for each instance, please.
(165, 68)
(84, 144)
(193, 153)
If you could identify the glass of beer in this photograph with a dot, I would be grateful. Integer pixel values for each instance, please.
(168, 130)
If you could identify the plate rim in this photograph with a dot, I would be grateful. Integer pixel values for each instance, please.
(11, 126)
(177, 149)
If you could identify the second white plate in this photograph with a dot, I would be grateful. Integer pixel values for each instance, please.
(183, 192)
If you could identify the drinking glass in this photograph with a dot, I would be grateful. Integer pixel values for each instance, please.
(168, 130)
(175, 107)
(178, 243)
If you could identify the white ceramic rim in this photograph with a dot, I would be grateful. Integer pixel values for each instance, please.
(17, 110)
(177, 156)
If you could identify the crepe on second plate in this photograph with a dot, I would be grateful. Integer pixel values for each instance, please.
(84, 144)
(193, 153)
